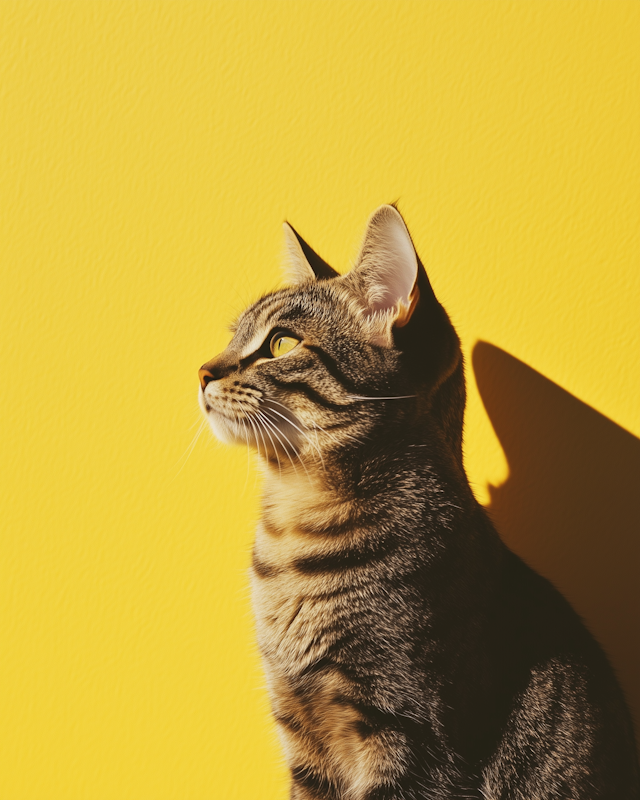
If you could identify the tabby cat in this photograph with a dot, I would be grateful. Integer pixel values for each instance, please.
(409, 654)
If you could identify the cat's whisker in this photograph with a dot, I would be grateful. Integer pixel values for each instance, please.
(277, 432)
(304, 432)
(331, 436)
(257, 431)
(278, 403)
(296, 452)
(186, 455)
(273, 444)
(336, 439)
(256, 434)
(246, 441)
(268, 411)
(269, 426)
(362, 397)
(266, 408)
(189, 450)
(317, 446)
(268, 403)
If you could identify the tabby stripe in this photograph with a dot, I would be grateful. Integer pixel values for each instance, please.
(333, 593)
(336, 425)
(332, 367)
(322, 665)
(375, 718)
(312, 394)
(291, 314)
(288, 721)
(347, 641)
(294, 313)
(271, 528)
(266, 306)
(386, 791)
(317, 784)
(248, 360)
(264, 570)
(262, 305)
(332, 531)
(336, 561)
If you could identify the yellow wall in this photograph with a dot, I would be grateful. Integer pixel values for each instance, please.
(149, 154)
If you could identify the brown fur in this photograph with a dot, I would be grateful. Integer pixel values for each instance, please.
(408, 653)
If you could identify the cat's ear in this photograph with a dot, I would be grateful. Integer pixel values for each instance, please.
(303, 264)
(386, 270)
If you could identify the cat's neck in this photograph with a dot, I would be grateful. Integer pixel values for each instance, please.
(319, 495)
(299, 499)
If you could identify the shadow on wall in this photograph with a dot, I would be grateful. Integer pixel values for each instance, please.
(571, 505)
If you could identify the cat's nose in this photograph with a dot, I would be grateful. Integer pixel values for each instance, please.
(205, 376)
(219, 367)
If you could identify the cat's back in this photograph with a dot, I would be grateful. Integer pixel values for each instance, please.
(568, 732)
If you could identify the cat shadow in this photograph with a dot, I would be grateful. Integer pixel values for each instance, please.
(571, 504)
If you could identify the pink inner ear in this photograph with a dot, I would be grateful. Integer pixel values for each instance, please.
(389, 260)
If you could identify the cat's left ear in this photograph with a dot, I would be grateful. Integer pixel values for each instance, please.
(386, 270)
(303, 264)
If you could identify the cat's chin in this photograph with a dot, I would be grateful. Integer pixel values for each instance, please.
(226, 430)
(279, 438)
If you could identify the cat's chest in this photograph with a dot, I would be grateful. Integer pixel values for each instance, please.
(300, 592)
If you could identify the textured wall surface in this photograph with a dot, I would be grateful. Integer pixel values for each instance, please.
(149, 153)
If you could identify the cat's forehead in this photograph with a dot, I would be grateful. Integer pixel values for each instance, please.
(312, 307)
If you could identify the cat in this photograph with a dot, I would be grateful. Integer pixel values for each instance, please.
(408, 653)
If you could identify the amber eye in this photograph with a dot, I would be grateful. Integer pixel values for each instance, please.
(281, 344)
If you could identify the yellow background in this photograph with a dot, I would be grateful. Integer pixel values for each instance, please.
(149, 153)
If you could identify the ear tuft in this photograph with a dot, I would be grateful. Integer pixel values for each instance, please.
(386, 269)
(302, 263)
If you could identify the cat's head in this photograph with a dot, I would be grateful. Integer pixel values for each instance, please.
(323, 363)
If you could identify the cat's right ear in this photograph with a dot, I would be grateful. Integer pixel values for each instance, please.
(302, 263)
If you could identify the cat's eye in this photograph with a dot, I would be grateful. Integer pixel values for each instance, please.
(281, 343)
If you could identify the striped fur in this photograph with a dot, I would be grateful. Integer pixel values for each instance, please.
(408, 653)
